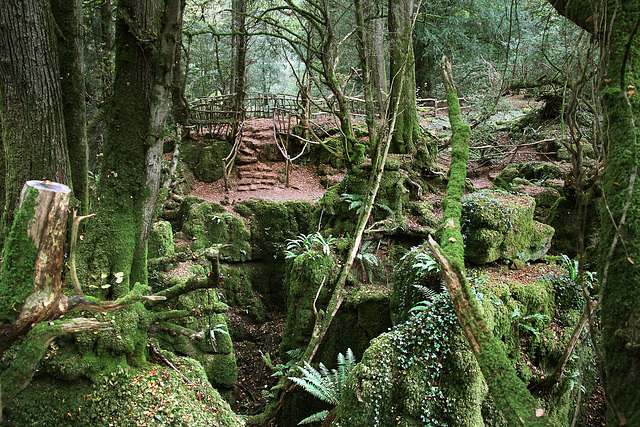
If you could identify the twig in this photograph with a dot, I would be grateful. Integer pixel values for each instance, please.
(72, 250)
(172, 366)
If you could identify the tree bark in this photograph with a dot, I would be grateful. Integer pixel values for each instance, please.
(31, 113)
(68, 18)
(616, 25)
(239, 55)
(33, 257)
(407, 134)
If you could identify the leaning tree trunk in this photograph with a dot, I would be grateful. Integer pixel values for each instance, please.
(616, 25)
(509, 392)
(31, 115)
(407, 134)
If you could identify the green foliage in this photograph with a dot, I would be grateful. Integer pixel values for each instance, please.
(325, 384)
(356, 201)
(567, 287)
(521, 321)
(305, 243)
(415, 274)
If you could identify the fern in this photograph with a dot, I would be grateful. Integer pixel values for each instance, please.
(317, 417)
(325, 384)
(305, 243)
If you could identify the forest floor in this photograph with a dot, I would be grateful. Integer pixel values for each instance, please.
(254, 377)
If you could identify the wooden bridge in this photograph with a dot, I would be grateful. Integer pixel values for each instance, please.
(216, 115)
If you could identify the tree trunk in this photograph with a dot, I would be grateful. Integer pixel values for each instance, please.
(616, 25)
(407, 134)
(30, 100)
(238, 55)
(113, 253)
(30, 278)
(68, 17)
(510, 393)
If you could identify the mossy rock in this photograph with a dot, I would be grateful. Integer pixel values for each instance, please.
(150, 395)
(208, 224)
(305, 275)
(161, 243)
(205, 160)
(500, 225)
(272, 223)
(237, 288)
(404, 379)
(215, 352)
(526, 174)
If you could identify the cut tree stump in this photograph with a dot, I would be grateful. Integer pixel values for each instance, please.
(33, 258)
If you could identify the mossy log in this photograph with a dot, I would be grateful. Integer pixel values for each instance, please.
(511, 395)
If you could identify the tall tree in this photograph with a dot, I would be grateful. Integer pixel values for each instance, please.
(407, 133)
(114, 251)
(31, 113)
(239, 54)
(616, 24)
(68, 18)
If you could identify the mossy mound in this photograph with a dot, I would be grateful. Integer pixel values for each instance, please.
(272, 223)
(530, 173)
(308, 283)
(423, 373)
(207, 224)
(161, 243)
(205, 159)
(342, 203)
(420, 373)
(500, 225)
(150, 395)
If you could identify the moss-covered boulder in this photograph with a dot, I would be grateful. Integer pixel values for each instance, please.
(161, 243)
(149, 395)
(208, 224)
(420, 373)
(530, 172)
(500, 225)
(342, 203)
(307, 284)
(205, 158)
(272, 223)
(423, 373)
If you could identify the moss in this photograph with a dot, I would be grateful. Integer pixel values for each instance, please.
(161, 242)
(500, 225)
(18, 259)
(305, 275)
(238, 290)
(208, 224)
(205, 160)
(420, 373)
(151, 395)
(272, 223)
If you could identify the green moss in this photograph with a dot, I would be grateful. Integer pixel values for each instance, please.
(18, 259)
(208, 224)
(305, 274)
(272, 223)
(205, 160)
(500, 225)
(161, 243)
(152, 395)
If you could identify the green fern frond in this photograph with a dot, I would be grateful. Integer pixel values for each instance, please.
(317, 417)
